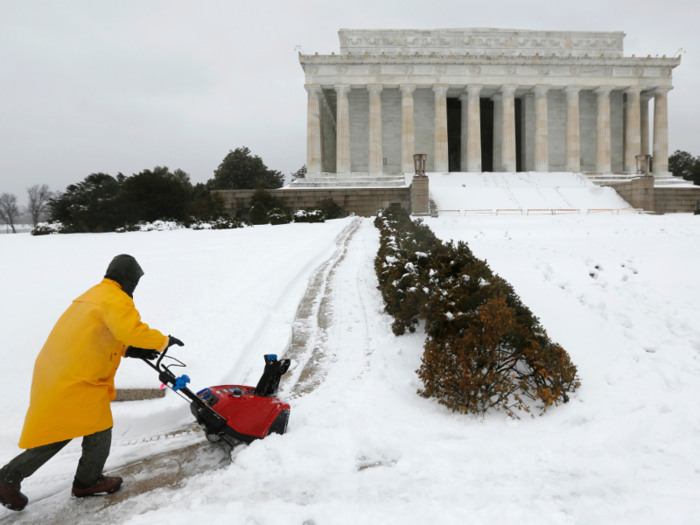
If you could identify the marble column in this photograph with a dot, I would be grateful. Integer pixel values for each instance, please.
(471, 143)
(573, 130)
(376, 157)
(313, 128)
(342, 126)
(497, 131)
(408, 128)
(633, 135)
(441, 161)
(661, 131)
(644, 99)
(603, 150)
(508, 155)
(541, 129)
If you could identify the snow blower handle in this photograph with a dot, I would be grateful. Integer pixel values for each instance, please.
(164, 375)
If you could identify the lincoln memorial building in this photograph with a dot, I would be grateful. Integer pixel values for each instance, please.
(485, 100)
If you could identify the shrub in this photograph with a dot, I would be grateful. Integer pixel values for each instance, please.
(262, 196)
(205, 206)
(222, 223)
(155, 226)
(261, 202)
(331, 209)
(48, 228)
(258, 214)
(309, 215)
(401, 261)
(485, 349)
(278, 216)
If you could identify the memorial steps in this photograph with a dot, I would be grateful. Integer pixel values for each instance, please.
(521, 192)
(660, 181)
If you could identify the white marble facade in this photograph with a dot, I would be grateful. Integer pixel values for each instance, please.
(577, 102)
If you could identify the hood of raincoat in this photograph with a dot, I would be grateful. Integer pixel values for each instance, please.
(126, 271)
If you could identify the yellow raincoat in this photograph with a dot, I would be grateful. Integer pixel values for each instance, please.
(73, 381)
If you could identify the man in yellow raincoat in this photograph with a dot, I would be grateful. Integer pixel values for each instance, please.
(73, 383)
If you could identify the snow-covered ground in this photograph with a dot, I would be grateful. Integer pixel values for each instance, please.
(620, 293)
(487, 192)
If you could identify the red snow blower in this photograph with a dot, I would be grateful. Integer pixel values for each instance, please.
(234, 414)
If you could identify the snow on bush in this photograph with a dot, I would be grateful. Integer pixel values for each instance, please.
(278, 216)
(48, 228)
(222, 223)
(158, 226)
(309, 215)
(485, 349)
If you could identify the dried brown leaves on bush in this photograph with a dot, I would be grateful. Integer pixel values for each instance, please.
(485, 349)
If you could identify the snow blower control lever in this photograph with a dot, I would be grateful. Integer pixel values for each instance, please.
(234, 414)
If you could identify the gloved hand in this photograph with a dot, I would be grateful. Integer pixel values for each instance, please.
(141, 353)
(174, 341)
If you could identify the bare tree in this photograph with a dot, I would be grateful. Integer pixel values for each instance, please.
(9, 210)
(38, 201)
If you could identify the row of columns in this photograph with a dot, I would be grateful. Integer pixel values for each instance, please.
(636, 128)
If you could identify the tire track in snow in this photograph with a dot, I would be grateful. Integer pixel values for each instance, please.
(341, 329)
(310, 331)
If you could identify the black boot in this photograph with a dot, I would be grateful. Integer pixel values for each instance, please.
(11, 497)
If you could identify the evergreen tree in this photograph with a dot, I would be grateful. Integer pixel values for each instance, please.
(154, 195)
(205, 205)
(300, 173)
(683, 164)
(90, 205)
(240, 170)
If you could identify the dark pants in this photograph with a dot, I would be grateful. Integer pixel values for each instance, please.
(95, 453)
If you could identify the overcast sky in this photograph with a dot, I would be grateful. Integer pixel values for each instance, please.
(97, 86)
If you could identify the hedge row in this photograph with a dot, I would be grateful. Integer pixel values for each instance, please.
(484, 349)
(221, 223)
(268, 209)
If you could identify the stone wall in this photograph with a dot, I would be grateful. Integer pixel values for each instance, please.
(639, 192)
(360, 201)
(675, 200)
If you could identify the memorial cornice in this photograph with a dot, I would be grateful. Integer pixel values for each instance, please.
(467, 59)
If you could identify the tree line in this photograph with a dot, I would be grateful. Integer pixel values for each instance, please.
(102, 202)
(38, 197)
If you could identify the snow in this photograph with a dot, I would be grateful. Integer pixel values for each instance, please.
(620, 293)
(472, 192)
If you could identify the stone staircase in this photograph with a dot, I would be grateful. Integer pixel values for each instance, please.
(659, 182)
(350, 180)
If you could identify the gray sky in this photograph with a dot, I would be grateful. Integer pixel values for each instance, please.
(90, 86)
